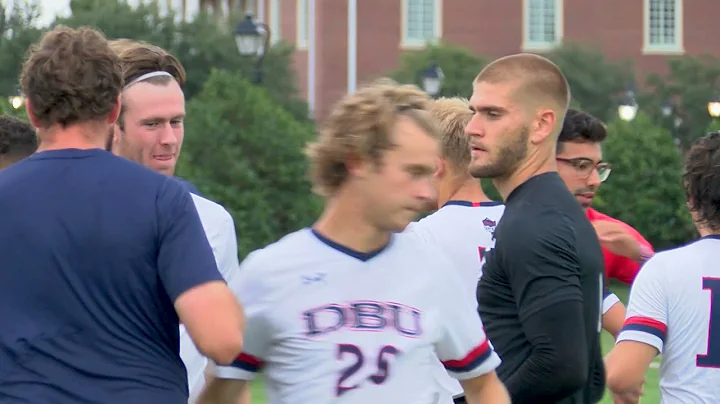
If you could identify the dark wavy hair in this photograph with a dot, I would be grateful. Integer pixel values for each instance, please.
(701, 180)
(17, 139)
(580, 126)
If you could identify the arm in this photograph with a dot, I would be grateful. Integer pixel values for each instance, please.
(229, 384)
(188, 272)
(643, 333)
(613, 314)
(225, 391)
(485, 389)
(545, 278)
(463, 348)
(628, 246)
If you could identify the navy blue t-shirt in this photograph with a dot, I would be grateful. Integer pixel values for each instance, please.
(94, 250)
(189, 186)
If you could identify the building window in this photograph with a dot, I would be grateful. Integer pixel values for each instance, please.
(420, 22)
(663, 26)
(302, 24)
(542, 24)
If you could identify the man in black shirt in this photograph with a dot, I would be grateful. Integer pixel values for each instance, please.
(540, 295)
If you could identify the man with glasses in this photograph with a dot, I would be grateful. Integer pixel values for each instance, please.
(581, 167)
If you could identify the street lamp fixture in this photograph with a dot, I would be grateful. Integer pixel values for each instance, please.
(16, 100)
(714, 106)
(432, 79)
(667, 109)
(628, 108)
(252, 39)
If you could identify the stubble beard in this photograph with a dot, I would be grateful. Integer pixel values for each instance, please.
(507, 160)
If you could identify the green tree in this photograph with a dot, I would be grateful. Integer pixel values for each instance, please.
(17, 31)
(201, 45)
(245, 151)
(645, 188)
(688, 85)
(595, 82)
(458, 65)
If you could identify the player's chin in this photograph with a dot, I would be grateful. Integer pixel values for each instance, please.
(403, 219)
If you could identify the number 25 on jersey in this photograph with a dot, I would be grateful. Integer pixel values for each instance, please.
(355, 355)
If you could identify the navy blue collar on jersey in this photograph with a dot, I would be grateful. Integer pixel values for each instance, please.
(471, 204)
(362, 256)
(711, 236)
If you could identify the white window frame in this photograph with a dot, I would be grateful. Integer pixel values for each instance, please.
(275, 34)
(530, 45)
(413, 43)
(303, 18)
(663, 49)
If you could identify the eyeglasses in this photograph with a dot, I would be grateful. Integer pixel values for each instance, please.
(584, 167)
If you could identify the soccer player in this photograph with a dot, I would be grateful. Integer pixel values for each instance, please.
(464, 224)
(149, 131)
(17, 140)
(351, 311)
(581, 166)
(677, 313)
(540, 294)
(102, 258)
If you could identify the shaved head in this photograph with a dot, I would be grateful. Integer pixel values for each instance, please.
(537, 82)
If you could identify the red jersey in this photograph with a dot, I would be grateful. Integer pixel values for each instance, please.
(616, 266)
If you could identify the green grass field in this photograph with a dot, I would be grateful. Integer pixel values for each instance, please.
(652, 392)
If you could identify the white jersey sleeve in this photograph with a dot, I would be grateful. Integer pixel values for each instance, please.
(609, 300)
(463, 347)
(227, 255)
(254, 291)
(647, 312)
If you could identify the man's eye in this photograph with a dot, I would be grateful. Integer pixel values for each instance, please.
(583, 165)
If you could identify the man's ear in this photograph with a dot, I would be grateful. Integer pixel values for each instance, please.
(31, 113)
(441, 168)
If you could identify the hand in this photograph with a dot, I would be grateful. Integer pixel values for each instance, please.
(630, 397)
(616, 238)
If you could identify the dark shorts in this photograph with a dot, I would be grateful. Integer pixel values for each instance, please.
(459, 400)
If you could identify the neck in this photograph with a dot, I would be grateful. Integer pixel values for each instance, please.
(82, 136)
(706, 231)
(343, 221)
(531, 167)
(467, 189)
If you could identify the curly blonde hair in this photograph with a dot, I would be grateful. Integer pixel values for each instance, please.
(453, 115)
(360, 126)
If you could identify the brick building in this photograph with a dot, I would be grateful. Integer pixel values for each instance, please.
(645, 31)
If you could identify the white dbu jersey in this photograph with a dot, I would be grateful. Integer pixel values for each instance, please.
(220, 231)
(465, 232)
(330, 325)
(675, 307)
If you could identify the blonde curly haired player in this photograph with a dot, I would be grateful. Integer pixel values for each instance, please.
(351, 310)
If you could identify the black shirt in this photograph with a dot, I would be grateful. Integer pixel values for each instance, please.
(540, 296)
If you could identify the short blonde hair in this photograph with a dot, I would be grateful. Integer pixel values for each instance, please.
(360, 126)
(538, 80)
(453, 115)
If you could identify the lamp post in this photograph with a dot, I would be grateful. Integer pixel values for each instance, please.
(432, 79)
(713, 106)
(16, 100)
(252, 39)
(628, 108)
(670, 114)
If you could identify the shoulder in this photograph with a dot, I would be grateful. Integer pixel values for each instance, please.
(284, 256)
(536, 220)
(211, 211)
(425, 257)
